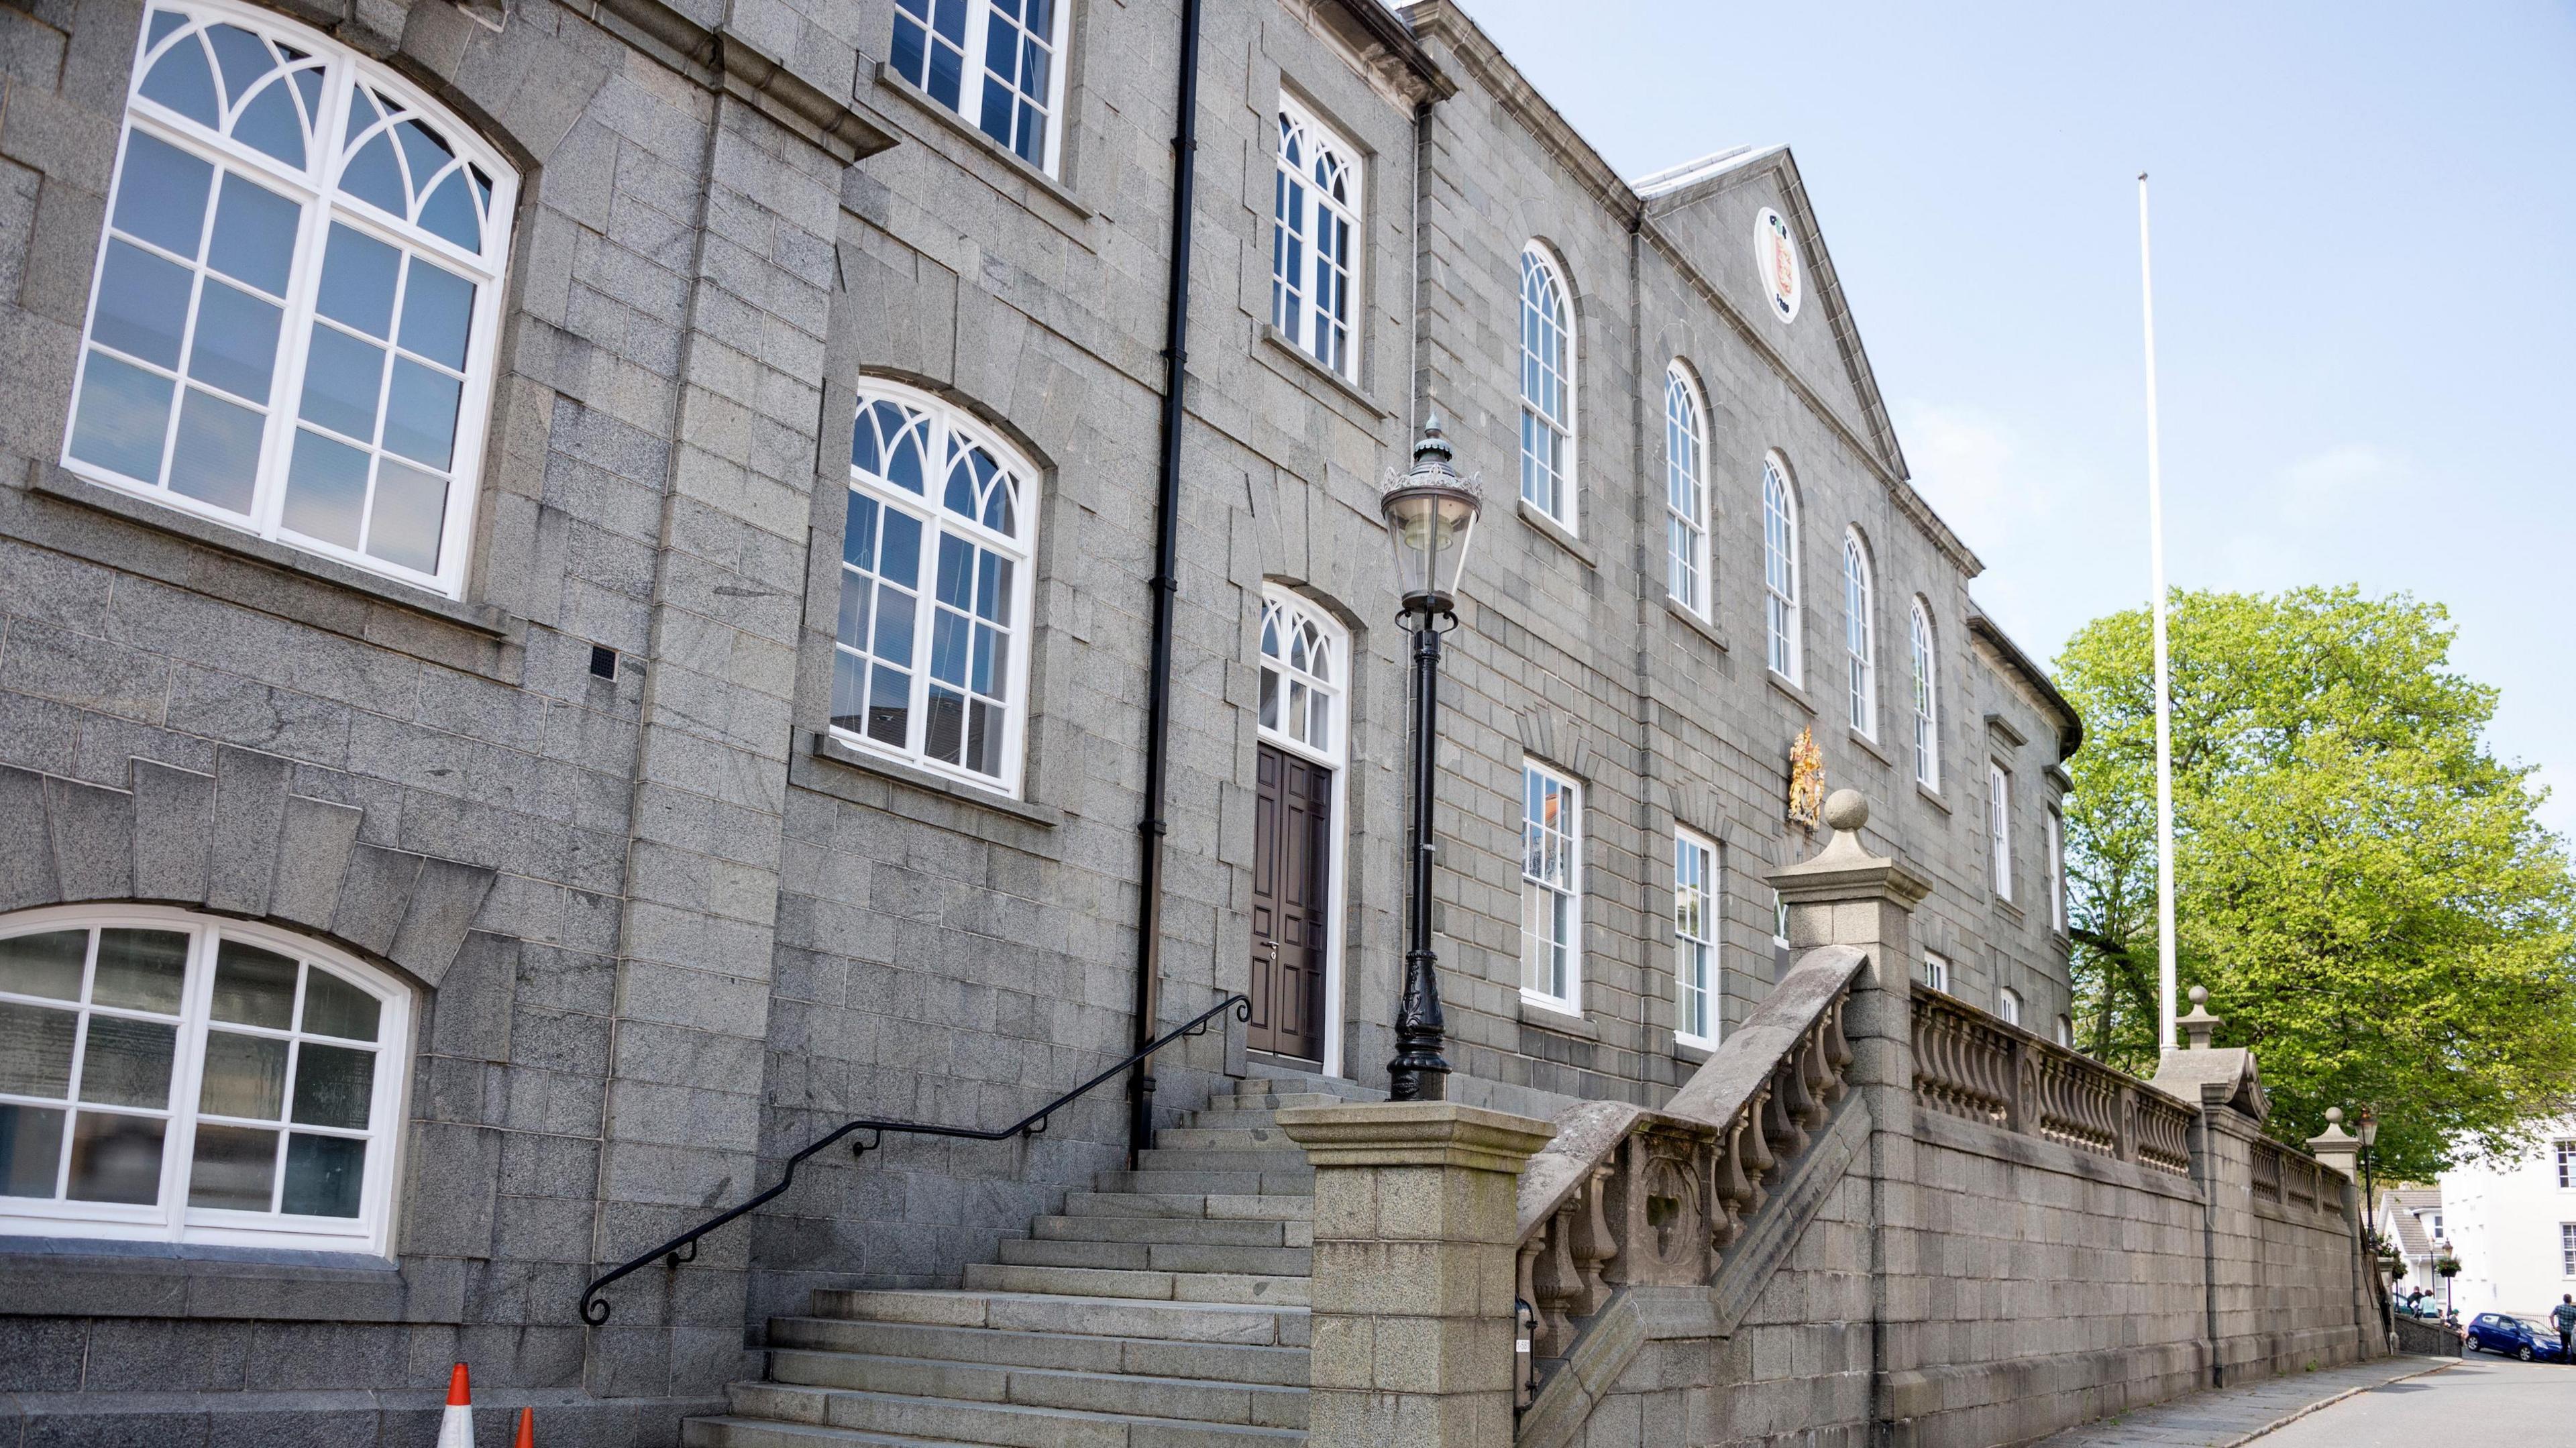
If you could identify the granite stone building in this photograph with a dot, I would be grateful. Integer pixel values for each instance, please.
(578, 593)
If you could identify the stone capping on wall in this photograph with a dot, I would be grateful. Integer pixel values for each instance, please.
(284, 857)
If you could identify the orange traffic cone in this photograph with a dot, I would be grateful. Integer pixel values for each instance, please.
(456, 1425)
(527, 1429)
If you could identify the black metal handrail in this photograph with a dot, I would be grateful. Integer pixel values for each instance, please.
(595, 1309)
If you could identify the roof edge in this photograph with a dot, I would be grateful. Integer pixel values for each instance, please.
(1985, 630)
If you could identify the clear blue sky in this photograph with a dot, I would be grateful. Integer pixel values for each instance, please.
(2365, 234)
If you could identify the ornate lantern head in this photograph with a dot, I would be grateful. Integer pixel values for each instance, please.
(1430, 516)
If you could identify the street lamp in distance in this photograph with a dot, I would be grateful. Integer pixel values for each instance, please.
(1430, 518)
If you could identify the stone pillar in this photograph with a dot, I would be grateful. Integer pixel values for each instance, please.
(1847, 896)
(2337, 1149)
(1416, 1228)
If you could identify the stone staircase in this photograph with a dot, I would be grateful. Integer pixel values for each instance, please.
(1166, 1308)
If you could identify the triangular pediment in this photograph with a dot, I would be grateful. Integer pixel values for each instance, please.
(1713, 215)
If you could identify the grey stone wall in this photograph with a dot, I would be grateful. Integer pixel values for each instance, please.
(688, 938)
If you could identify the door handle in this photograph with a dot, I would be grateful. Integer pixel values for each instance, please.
(1273, 947)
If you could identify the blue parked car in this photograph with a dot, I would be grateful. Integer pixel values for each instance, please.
(2515, 1337)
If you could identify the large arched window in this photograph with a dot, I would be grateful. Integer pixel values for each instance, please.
(1314, 260)
(292, 314)
(1860, 637)
(1547, 388)
(932, 663)
(166, 1076)
(1780, 570)
(1686, 560)
(1927, 702)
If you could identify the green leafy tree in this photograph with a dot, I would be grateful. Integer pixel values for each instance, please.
(2361, 885)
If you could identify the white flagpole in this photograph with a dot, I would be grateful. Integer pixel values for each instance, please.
(2164, 692)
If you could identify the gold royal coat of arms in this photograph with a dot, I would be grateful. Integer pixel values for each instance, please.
(1806, 781)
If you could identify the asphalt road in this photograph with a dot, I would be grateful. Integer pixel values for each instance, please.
(2485, 1399)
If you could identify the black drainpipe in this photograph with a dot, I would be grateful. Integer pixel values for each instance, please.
(1167, 547)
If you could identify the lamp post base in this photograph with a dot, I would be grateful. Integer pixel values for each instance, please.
(1419, 1072)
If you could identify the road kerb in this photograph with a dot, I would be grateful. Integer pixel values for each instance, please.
(2286, 1419)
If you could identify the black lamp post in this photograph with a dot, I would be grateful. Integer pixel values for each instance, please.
(2366, 1133)
(1430, 515)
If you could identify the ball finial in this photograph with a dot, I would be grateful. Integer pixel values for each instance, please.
(1846, 811)
(2200, 995)
(2334, 1116)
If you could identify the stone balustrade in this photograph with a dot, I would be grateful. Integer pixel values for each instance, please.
(1626, 1195)
(1972, 1065)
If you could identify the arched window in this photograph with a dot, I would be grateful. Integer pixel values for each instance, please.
(1547, 388)
(1780, 569)
(1315, 211)
(932, 663)
(292, 314)
(1927, 703)
(171, 1077)
(1685, 492)
(1860, 637)
(996, 63)
(1303, 657)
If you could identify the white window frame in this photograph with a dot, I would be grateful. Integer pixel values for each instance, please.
(2008, 1005)
(1782, 626)
(2065, 1033)
(1687, 562)
(1301, 206)
(1547, 325)
(170, 1219)
(1860, 635)
(1698, 894)
(1999, 828)
(1936, 971)
(1551, 888)
(314, 188)
(2053, 860)
(1926, 649)
(945, 421)
(2565, 1151)
(2567, 1249)
(1779, 936)
(978, 24)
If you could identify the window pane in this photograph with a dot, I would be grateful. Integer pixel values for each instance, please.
(899, 559)
(46, 964)
(889, 705)
(324, 1176)
(342, 378)
(333, 1085)
(36, 1050)
(31, 1147)
(254, 235)
(123, 417)
(183, 81)
(358, 281)
(236, 343)
(217, 457)
(437, 313)
(333, 1007)
(234, 1168)
(142, 304)
(161, 196)
(849, 691)
(140, 969)
(326, 489)
(420, 413)
(411, 509)
(127, 1063)
(244, 1076)
(116, 1159)
(253, 987)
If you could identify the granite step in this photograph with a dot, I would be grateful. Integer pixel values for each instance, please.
(1283, 1156)
(1221, 1206)
(1144, 1286)
(1209, 1183)
(1160, 1256)
(1263, 1324)
(1158, 1228)
(1002, 1425)
(1136, 1394)
(1073, 1352)
(1227, 1136)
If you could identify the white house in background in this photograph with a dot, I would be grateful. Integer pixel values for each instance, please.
(2513, 1223)
(2411, 1217)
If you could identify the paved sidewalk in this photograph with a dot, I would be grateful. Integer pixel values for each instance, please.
(2225, 1417)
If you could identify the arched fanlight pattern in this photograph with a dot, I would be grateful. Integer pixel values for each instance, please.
(254, 88)
(293, 314)
(1927, 733)
(1860, 637)
(405, 166)
(1685, 492)
(1315, 211)
(1302, 653)
(932, 657)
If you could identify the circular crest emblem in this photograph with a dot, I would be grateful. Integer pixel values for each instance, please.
(1775, 255)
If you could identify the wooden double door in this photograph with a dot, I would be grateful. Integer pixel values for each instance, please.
(1292, 855)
